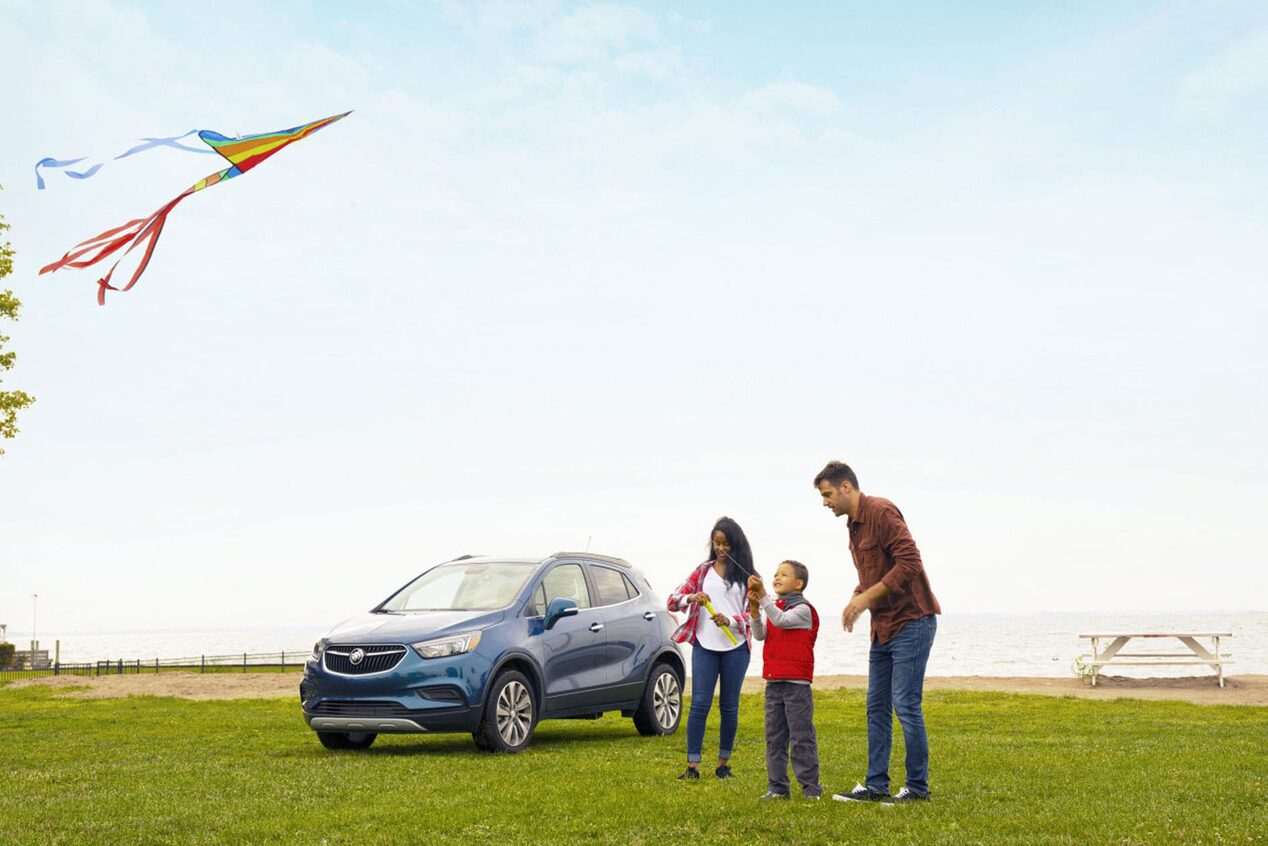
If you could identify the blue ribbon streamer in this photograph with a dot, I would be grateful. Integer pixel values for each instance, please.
(149, 144)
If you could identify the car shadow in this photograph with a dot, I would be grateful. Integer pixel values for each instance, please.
(448, 744)
(403, 745)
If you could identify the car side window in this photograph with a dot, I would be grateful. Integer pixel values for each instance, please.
(611, 585)
(630, 589)
(537, 605)
(567, 581)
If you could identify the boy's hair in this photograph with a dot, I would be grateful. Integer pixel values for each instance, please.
(836, 472)
(800, 571)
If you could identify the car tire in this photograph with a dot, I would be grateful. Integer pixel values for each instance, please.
(510, 715)
(346, 740)
(661, 709)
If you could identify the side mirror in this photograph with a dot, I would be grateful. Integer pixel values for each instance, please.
(558, 609)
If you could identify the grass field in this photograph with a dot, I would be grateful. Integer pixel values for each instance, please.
(1006, 768)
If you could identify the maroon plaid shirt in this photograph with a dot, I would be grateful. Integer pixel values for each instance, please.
(884, 551)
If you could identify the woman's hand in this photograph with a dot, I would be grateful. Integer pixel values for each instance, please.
(721, 621)
(699, 598)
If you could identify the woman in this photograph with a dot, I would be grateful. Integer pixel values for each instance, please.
(722, 582)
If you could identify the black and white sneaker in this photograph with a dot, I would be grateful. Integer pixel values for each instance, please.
(861, 794)
(723, 771)
(905, 796)
(689, 774)
(770, 794)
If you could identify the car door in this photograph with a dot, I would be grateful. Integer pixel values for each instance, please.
(629, 632)
(574, 649)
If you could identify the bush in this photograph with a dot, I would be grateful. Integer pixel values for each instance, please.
(6, 654)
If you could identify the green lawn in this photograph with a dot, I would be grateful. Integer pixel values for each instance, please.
(1020, 769)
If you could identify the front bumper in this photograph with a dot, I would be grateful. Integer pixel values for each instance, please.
(378, 725)
(418, 695)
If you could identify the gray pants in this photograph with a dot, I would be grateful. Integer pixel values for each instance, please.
(790, 728)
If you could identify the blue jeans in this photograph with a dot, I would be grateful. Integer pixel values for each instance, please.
(706, 667)
(896, 681)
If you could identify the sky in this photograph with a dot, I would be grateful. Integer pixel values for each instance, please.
(596, 274)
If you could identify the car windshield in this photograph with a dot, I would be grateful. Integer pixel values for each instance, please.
(463, 586)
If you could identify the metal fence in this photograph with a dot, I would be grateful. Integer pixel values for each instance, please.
(260, 662)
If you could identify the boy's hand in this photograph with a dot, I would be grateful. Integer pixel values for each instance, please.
(756, 590)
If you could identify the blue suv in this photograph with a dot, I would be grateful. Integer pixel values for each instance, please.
(494, 645)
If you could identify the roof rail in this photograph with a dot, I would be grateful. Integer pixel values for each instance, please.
(606, 559)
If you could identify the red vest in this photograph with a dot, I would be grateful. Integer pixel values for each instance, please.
(790, 653)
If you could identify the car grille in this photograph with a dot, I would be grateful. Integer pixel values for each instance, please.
(334, 708)
(379, 658)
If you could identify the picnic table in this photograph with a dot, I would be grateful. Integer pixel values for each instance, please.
(1112, 654)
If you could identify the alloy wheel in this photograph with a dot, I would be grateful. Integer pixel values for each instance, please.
(666, 700)
(514, 713)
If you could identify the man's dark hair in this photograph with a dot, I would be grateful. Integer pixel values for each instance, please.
(836, 472)
(800, 571)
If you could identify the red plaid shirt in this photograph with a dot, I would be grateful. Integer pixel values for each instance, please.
(686, 633)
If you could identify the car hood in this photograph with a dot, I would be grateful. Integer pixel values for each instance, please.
(410, 627)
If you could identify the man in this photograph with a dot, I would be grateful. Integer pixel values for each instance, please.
(894, 587)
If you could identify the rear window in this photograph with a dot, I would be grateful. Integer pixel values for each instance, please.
(611, 585)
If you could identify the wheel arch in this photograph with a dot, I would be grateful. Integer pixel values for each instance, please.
(671, 657)
(524, 663)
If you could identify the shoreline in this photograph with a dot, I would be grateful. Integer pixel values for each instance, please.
(1200, 690)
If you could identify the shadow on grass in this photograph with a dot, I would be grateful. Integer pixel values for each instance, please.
(460, 743)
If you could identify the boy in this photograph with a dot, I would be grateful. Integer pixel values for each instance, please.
(788, 665)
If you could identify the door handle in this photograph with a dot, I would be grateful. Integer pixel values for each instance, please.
(649, 616)
(596, 627)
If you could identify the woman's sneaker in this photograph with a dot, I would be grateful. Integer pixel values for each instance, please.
(905, 796)
(861, 794)
(723, 771)
(689, 773)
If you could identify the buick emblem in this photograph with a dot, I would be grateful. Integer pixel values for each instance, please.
(356, 656)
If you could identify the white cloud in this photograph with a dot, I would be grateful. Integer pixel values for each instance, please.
(597, 32)
(500, 15)
(795, 96)
(1239, 70)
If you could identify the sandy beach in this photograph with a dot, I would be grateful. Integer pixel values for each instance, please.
(1201, 690)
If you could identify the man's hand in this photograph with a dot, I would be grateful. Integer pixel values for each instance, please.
(852, 612)
(721, 621)
(756, 590)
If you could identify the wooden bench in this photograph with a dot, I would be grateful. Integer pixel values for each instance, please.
(1113, 656)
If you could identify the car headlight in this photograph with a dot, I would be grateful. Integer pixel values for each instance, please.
(318, 648)
(445, 646)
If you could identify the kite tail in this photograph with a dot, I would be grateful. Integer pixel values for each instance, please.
(143, 230)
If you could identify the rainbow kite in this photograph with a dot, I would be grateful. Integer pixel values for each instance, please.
(242, 155)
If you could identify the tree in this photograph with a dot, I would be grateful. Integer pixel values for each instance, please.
(11, 402)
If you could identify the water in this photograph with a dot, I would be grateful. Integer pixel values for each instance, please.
(1042, 645)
